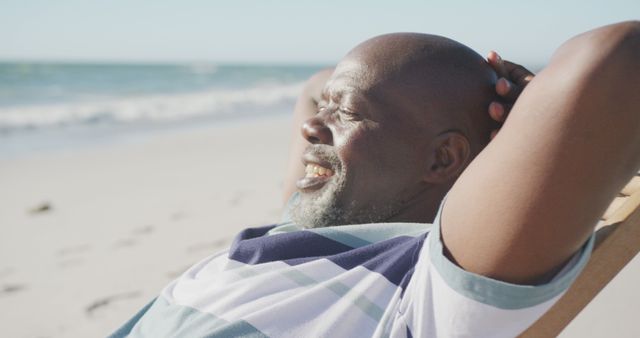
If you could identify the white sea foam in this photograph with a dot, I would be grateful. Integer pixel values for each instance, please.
(150, 108)
(203, 68)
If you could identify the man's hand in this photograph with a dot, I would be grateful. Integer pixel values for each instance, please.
(512, 80)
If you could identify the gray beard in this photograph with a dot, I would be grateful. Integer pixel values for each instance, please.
(322, 208)
(319, 209)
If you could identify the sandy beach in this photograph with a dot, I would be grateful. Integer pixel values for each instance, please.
(91, 235)
(125, 219)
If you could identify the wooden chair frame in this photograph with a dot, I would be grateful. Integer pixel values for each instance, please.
(617, 243)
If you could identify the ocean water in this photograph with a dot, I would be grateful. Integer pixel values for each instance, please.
(49, 105)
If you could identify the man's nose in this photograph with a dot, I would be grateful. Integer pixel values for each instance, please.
(316, 131)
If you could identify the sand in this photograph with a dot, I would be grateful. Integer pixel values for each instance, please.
(91, 235)
(125, 219)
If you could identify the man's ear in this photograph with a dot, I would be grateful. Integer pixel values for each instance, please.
(449, 154)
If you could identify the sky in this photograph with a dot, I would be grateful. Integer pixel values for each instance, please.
(285, 31)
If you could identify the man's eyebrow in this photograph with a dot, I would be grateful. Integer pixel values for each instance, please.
(328, 93)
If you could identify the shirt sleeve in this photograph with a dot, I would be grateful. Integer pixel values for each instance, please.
(443, 300)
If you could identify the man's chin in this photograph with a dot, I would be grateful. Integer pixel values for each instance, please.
(327, 207)
(316, 209)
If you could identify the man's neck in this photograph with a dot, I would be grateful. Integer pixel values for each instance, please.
(423, 207)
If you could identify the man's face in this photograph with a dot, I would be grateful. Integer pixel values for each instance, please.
(368, 152)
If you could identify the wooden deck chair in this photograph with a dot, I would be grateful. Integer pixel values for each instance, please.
(617, 242)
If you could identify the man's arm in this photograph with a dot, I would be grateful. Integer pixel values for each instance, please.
(527, 203)
(306, 107)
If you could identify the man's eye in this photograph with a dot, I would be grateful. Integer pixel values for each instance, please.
(350, 115)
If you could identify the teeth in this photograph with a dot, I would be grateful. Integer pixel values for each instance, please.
(314, 170)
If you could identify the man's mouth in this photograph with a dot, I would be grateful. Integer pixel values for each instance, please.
(316, 177)
(314, 170)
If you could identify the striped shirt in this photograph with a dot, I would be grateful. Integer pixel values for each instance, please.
(365, 280)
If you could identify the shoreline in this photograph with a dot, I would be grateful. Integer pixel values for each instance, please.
(64, 139)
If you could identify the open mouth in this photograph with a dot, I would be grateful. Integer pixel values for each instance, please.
(315, 170)
(315, 178)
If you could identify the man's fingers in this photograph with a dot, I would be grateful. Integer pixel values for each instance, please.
(518, 74)
(512, 80)
(509, 70)
(497, 111)
(497, 64)
(503, 87)
(507, 90)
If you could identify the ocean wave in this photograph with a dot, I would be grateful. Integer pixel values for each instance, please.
(149, 108)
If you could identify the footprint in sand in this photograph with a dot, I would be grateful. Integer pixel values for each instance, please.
(12, 288)
(106, 301)
(41, 208)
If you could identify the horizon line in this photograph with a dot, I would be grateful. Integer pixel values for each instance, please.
(96, 61)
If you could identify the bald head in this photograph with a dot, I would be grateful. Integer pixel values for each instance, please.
(445, 81)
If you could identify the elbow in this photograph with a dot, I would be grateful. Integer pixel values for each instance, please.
(613, 45)
(626, 40)
(630, 28)
(623, 47)
(615, 38)
(625, 29)
(610, 42)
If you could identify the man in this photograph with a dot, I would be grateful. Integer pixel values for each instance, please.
(399, 122)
